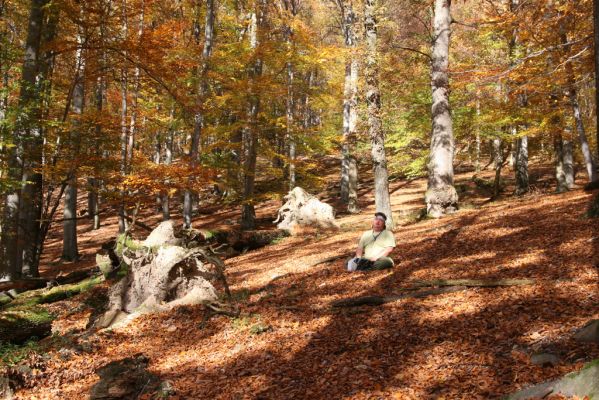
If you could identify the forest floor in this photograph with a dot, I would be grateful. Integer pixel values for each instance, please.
(289, 342)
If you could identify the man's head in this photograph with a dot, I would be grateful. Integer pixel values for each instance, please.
(379, 222)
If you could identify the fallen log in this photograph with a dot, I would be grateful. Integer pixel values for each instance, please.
(380, 300)
(439, 286)
(23, 284)
(39, 283)
(472, 283)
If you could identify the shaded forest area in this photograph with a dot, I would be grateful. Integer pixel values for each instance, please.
(147, 147)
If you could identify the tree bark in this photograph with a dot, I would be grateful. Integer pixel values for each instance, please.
(349, 164)
(123, 225)
(521, 158)
(573, 98)
(168, 159)
(441, 197)
(198, 119)
(498, 158)
(250, 132)
(560, 168)
(375, 126)
(26, 155)
(596, 59)
(69, 249)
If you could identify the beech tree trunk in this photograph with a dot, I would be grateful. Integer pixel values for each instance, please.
(124, 127)
(375, 126)
(498, 158)
(596, 59)
(564, 169)
(573, 98)
(521, 164)
(25, 157)
(198, 118)
(168, 159)
(349, 164)
(69, 248)
(250, 132)
(441, 197)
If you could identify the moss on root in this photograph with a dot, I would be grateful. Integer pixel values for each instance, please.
(25, 317)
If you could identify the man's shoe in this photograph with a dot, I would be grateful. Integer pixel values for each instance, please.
(352, 265)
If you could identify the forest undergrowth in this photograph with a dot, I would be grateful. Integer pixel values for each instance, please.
(289, 342)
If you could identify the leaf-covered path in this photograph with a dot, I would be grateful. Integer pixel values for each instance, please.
(290, 343)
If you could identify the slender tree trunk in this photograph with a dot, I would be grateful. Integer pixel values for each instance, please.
(498, 157)
(560, 174)
(24, 158)
(589, 162)
(573, 97)
(250, 132)
(521, 163)
(477, 146)
(198, 119)
(124, 127)
(69, 248)
(568, 163)
(596, 59)
(291, 8)
(375, 126)
(349, 164)
(441, 197)
(133, 124)
(168, 159)
(290, 122)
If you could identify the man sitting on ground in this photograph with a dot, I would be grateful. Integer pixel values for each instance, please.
(374, 247)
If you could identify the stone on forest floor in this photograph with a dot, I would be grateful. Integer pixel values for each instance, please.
(304, 209)
(581, 383)
(544, 359)
(589, 332)
(124, 379)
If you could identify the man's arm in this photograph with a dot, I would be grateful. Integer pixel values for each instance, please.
(359, 251)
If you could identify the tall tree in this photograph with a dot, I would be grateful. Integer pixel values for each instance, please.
(441, 197)
(349, 163)
(596, 61)
(373, 101)
(70, 251)
(24, 159)
(250, 131)
(198, 120)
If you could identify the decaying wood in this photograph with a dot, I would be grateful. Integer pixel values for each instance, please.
(326, 260)
(39, 283)
(380, 300)
(439, 286)
(165, 273)
(472, 282)
(23, 284)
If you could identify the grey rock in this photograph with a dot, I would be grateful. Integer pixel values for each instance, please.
(581, 383)
(124, 379)
(589, 332)
(544, 359)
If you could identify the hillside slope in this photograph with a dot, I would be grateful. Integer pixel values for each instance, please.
(290, 343)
